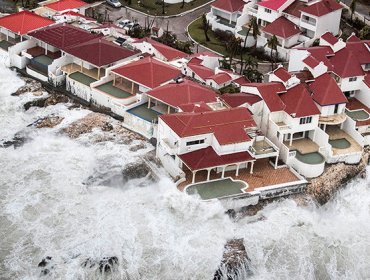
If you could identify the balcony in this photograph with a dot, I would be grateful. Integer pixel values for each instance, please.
(169, 146)
(309, 21)
(263, 148)
(333, 119)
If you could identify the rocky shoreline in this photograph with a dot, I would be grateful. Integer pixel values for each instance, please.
(235, 259)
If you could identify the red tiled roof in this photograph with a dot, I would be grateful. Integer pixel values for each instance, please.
(238, 99)
(195, 61)
(195, 107)
(345, 64)
(325, 91)
(282, 27)
(322, 53)
(272, 4)
(282, 74)
(367, 80)
(229, 5)
(72, 13)
(207, 158)
(269, 93)
(176, 94)
(311, 61)
(168, 52)
(220, 78)
(24, 22)
(353, 38)
(63, 5)
(242, 81)
(299, 102)
(200, 70)
(228, 126)
(149, 72)
(360, 50)
(322, 8)
(330, 38)
(100, 52)
(63, 35)
(295, 8)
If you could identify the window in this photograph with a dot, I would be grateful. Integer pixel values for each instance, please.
(305, 120)
(352, 79)
(367, 66)
(267, 11)
(195, 142)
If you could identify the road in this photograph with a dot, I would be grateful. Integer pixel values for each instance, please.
(177, 25)
(361, 8)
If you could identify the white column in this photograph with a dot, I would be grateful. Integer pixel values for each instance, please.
(276, 161)
(46, 48)
(208, 174)
(252, 167)
(114, 79)
(194, 172)
(169, 109)
(237, 170)
(148, 102)
(223, 172)
(291, 139)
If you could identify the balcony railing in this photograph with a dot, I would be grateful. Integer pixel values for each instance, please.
(309, 21)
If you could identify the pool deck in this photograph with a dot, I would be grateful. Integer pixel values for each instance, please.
(304, 146)
(263, 175)
(82, 78)
(114, 91)
(334, 133)
(144, 113)
(354, 104)
(72, 67)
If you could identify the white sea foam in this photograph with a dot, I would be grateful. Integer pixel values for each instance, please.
(156, 232)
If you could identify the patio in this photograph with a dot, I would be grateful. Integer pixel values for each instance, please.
(304, 146)
(264, 174)
(335, 133)
(355, 105)
(38, 51)
(93, 73)
(5, 44)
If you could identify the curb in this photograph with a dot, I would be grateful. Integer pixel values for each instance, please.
(172, 16)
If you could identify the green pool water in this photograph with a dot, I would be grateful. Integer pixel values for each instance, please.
(310, 158)
(82, 78)
(145, 113)
(216, 189)
(340, 143)
(5, 44)
(358, 115)
(43, 59)
(114, 91)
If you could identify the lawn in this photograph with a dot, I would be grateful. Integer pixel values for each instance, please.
(154, 7)
(196, 32)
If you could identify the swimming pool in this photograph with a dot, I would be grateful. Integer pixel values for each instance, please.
(310, 158)
(358, 115)
(216, 188)
(342, 143)
(145, 113)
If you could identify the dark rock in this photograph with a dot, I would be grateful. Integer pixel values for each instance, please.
(40, 102)
(30, 86)
(107, 264)
(153, 141)
(55, 99)
(135, 170)
(45, 272)
(235, 261)
(17, 142)
(49, 121)
(107, 127)
(44, 261)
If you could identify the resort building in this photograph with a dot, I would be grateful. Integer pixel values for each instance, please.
(349, 64)
(50, 8)
(295, 23)
(14, 30)
(123, 89)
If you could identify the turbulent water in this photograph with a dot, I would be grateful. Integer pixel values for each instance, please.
(47, 208)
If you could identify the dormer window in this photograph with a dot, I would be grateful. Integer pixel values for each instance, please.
(267, 11)
(352, 79)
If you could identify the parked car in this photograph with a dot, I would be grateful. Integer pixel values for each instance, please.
(114, 3)
(119, 41)
(123, 23)
(130, 26)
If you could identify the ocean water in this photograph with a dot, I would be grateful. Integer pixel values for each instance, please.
(49, 206)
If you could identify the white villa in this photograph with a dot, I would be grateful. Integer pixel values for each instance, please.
(295, 23)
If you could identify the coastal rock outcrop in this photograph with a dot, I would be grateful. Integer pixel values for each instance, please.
(235, 261)
(135, 170)
(105, 265)
(323, 188)
(31, 85)
(49, 121)
(46, 101)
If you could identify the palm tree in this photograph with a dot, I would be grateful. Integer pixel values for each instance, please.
(252, 25)
(272, 43)
(233, 47)
(352, 6)
(205, 26)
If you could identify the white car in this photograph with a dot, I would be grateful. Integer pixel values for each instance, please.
(123, 23)
(114, 3)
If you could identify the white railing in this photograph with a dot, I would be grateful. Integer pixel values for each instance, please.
(171, 149)
(349, 126)
(306, 169)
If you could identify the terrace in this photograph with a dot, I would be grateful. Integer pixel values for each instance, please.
(94, 73)
(6, 41)
(333, 119)
(82, 78)
(264, 174)
(114, 91)
(342, 143)
(304, 146)
(358, 111)
(145, 113)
